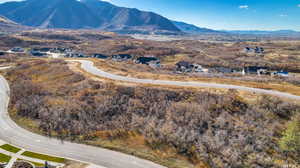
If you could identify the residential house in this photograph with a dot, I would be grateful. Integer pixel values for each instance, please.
(259, 50)
(248, 50)
(60, 50)
(199, 68)
(223, 70)
(45, 49)
(17, 50)
(75, 55)
(184, 66)
(256, 50)
(282, 73)
(37, 53)
(151, 61)
(255, 70)
(100, 56)
(121, 57)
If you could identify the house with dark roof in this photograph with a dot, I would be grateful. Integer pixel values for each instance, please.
(255, 70)
(256, 50)
(45, 49)
(199, 68)
(37, 53)
(184, 66)
(151, 61)
(2, 53)
(282, 73)
(223, 70)
(17, 50)
(60, 50)
(75, 55)
(121, 57)
(248, 50)
(259, 50)
(100, 56)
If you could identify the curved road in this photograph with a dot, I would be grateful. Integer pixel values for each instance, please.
(88, 66)
(12, 133)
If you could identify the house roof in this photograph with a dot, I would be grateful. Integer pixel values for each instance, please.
(100, 56)
(122, 56)
(223, 69)
(184, 64)
(255, 68)
(283, 72)
(146, 59)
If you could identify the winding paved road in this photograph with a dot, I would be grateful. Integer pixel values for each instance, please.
(12, 133)
(89, 67)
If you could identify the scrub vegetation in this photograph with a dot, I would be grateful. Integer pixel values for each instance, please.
(178, 128)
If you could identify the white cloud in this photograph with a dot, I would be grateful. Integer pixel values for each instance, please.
(244, 7)
(283, 15)
(2, 1)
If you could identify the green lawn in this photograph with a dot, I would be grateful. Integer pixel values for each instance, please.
(4, 158)
(44, 157)
(10, 148)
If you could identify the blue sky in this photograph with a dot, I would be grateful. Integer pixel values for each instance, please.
(225, 14)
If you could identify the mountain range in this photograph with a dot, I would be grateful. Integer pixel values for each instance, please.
(97, 14)
(84, 14)
(193, 29)
(7, 25)
(264, 32)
